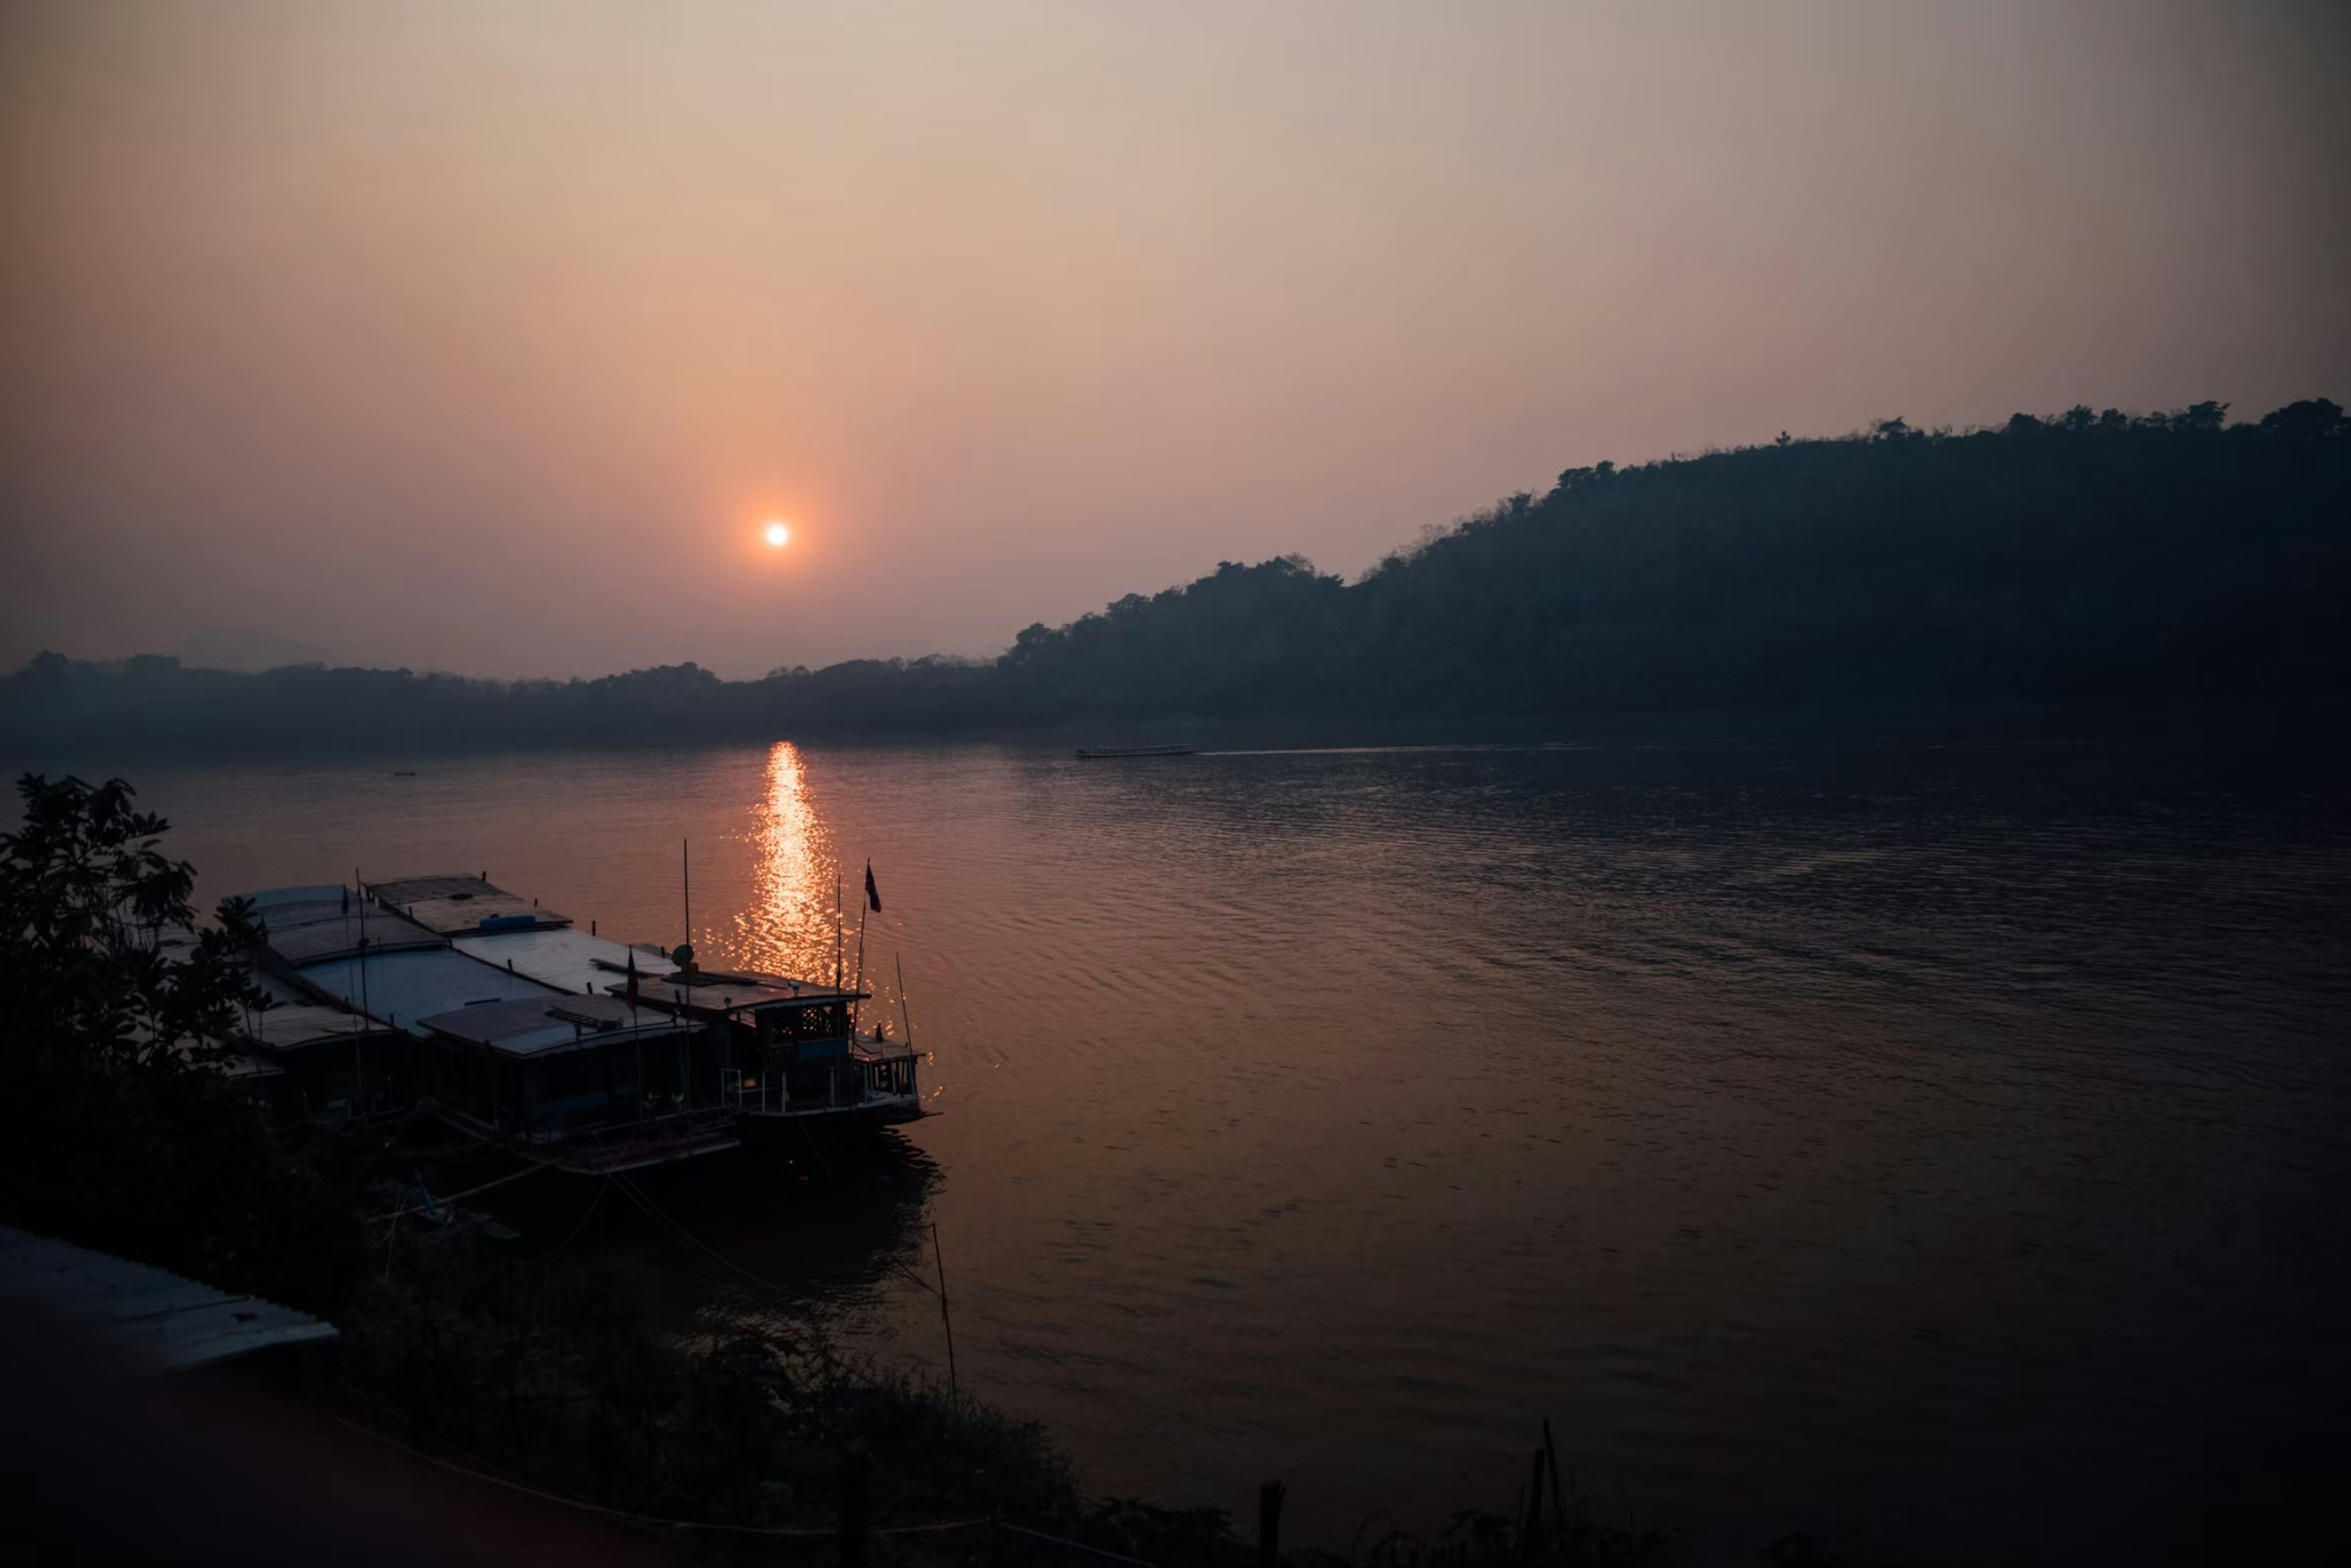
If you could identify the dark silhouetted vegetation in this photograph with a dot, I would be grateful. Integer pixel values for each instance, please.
(124, 1133)
(2079, 558)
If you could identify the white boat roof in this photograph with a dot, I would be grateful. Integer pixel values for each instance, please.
(299, 1020)
(402, 988)
(544, 1026)
(565, 958)
(269, 898)
(452, 904)
(737, 990)
(310, 930)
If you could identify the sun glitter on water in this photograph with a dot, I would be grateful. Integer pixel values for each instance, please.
(778, 534)
(789, 926)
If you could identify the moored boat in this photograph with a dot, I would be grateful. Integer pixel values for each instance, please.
(572, 1049)
(557, 1075)
(774, 1047)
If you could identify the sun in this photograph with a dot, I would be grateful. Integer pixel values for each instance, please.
(779, 535)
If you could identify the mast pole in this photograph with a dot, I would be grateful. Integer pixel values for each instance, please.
(359, 1049)
(903, 1016)
(857, 981)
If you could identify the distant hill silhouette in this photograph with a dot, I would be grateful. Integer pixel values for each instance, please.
(2083, 558)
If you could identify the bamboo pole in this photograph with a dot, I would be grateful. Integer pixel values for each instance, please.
(955, 1391)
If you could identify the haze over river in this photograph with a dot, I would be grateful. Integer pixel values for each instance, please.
(1927, 1143)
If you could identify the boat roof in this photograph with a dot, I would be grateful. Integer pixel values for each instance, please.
(307, 931)
(452, 904)
(740, 990)
(566, 958)
(402, 988)
(298, 1019)
(546, 1025)
(157, 1318)
(269, 898)
(247, 1067)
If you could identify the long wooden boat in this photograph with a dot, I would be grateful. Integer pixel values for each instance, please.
(567, 1047)
(1109, 753)
(554, 1072)
(769, 1046)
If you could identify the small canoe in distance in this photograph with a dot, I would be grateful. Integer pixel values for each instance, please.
(1105, 753)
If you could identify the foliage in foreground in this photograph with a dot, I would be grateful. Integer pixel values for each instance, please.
(126, 1135)
(550, 1373)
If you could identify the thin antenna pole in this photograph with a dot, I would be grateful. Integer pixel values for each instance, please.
(685, 865)
(836, 930)
(903, 1016)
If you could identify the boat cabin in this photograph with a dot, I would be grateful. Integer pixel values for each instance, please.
(317, 1060)
(587, 1083)
(795, 1044)
(297, 1057)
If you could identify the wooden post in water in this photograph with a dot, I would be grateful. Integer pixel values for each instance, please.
(1558, 1492)
(1268, 1523)
(1530, 1526)
(955, 1390)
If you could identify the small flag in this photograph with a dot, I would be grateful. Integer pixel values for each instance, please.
(873, 894)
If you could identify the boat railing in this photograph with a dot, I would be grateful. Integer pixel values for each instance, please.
(675, 1118)
(653, 1140)
(858, 1077)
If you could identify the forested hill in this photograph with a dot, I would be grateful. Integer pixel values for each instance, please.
(2083, 559)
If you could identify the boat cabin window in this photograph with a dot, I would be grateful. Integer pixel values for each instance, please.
(784, 1025)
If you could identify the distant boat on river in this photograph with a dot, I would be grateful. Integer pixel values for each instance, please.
(1107, 753)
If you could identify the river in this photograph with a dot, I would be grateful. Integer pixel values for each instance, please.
(1934, 1149)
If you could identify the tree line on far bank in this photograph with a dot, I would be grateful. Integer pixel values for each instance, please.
(2081, 559)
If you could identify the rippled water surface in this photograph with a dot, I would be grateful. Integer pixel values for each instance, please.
(1943, 1147)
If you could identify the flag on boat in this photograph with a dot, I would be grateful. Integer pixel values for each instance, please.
(873, 894)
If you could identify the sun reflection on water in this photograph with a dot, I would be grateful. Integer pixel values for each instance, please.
(789, 928)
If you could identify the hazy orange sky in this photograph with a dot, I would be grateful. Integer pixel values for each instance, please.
(484, 336)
